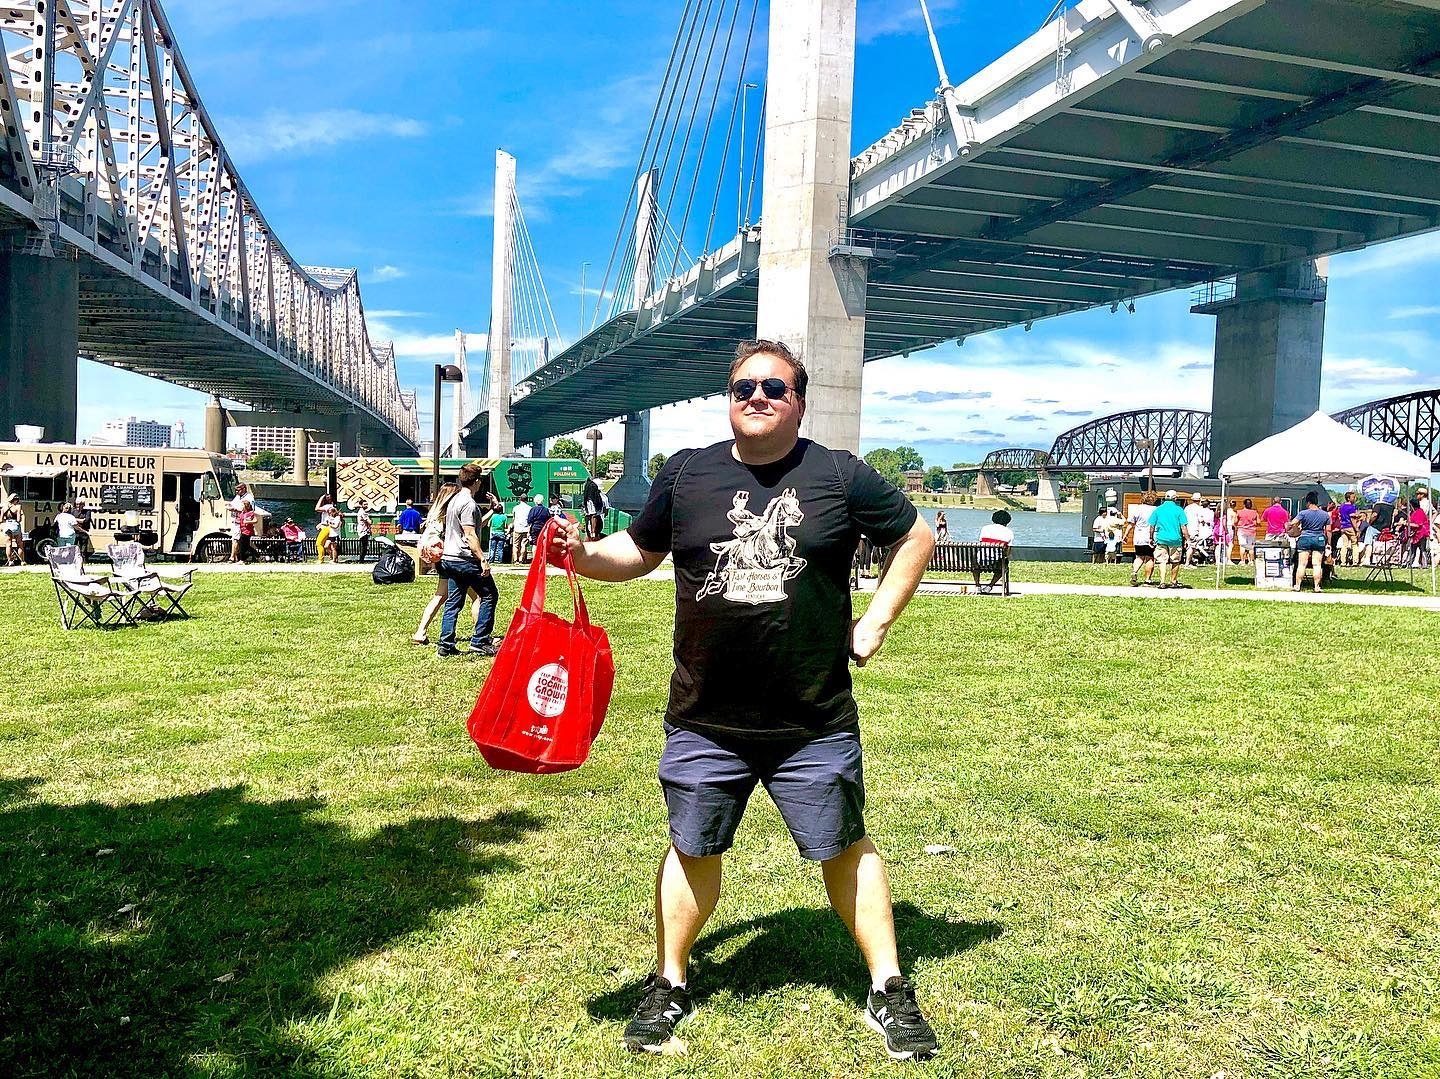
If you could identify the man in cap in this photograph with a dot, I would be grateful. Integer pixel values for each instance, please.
(1168, 524)
(1199, 523)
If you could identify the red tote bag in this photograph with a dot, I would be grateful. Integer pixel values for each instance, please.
(545, 699)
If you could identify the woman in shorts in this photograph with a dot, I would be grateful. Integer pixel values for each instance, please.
(12, 527)
(1247, 523)
(1311, 544)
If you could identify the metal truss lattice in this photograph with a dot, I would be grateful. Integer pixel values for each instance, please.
(1408, 421)
(1168, 438)
(156, 200)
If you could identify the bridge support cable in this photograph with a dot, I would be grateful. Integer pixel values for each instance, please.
(164, 230)
(692, 147)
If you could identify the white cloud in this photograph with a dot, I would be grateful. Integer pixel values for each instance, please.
(385, 314)
(280, 132)
(381, 274)
(1414, 312)
(886, 18)
(1391, 255)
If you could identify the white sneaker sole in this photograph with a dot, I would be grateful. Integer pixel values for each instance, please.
(874, 1024)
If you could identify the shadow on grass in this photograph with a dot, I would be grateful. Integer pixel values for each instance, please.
(135, 937)
(802, 946)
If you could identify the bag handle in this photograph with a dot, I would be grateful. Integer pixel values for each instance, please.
(533, 598)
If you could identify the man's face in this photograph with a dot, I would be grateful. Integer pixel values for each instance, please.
(758, 417)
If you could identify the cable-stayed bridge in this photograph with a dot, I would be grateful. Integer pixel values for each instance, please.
(127, 233)
(1123, 150)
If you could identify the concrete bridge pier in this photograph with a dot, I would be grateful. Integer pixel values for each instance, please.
(633, 488)
(501, 439)
(984, 485)
(1048, 495)
(217, 426)
(1269, 338)
(39, 344)
(302, 455)
(349, 435)
(812, 302)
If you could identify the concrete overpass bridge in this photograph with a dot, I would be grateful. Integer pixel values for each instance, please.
(127, 235)
(1124, 150)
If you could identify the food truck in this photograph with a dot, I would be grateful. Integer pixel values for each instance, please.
(386, 483)
(172, 501)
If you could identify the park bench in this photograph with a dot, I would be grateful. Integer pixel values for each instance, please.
(978, 559)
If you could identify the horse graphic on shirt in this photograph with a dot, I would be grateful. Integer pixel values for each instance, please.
(754, 566)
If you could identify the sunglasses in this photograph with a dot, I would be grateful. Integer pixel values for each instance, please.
(742, 389)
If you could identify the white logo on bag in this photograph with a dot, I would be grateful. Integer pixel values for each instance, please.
(548, 689)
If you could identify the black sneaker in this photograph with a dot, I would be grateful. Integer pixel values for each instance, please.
(895, 1014)
(661, 1010)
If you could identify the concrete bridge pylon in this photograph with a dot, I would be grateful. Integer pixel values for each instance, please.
(810, 302)
(633, 487)
(501, 439)
(39, 344)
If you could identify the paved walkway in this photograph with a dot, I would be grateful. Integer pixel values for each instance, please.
(1021, 589)
(958, 589)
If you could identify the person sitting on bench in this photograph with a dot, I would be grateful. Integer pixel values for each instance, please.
(996, 533)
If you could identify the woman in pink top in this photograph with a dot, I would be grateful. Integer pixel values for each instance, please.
(1419, 535)
(1247, 520)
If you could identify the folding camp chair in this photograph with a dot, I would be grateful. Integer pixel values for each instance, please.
(84, 598)
(1386, 556)
(157, 592)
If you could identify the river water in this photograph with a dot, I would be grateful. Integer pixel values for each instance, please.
(1031, 529)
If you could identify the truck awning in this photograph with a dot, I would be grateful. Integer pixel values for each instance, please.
(40, 472)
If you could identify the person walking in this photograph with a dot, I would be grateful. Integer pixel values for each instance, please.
(520, 531)
(465, 567)
(763, 529)
(327, 540)
(595, 505)
(1314, 538)
(538, 514)
(442, 586)
(1168, 523)
(1419, 534)
(1142, 537)
(1247, 522)
(362, 528)
(12, 528)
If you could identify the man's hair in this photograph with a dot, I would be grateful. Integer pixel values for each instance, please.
(746, 349)
(1000, 517)
(1312, 499)
(469, 474)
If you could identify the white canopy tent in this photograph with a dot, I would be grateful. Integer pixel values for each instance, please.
(1319, 450)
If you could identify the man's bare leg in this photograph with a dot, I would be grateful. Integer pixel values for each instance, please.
(686, 891)
(859, 890)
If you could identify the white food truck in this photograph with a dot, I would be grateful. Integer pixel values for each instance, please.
(174, 502)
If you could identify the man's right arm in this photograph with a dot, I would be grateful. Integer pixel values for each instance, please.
(614, 558)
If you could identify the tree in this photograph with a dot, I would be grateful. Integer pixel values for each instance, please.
(935, 478)
(892, 463)
(656, 464)
(608, 458)
(270, 461)
(568, 448)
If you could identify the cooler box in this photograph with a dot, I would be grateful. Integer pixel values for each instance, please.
(1272, 566)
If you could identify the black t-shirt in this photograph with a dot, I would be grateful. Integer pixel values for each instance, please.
(762, 584)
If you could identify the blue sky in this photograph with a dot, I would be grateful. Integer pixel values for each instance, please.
(367, 132)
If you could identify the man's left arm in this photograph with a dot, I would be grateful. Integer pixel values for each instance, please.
(909, 556)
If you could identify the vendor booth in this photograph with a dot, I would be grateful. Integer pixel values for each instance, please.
(1320, 451)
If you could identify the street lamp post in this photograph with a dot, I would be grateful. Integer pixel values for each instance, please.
(594, 436)
(444, 372)
(1148, 445)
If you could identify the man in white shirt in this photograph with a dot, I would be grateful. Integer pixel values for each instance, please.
(238, 505)
(1199, 522)
(1142, 536)
(520, 530)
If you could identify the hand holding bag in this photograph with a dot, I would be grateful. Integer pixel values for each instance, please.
(545, 698)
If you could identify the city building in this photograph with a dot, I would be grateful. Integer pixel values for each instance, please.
(282, 441)
(132, 432)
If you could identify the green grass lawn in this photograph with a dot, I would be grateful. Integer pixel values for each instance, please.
(1189, 840)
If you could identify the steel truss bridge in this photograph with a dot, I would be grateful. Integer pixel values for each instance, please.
(1409, 421)
(1172, 439)
(108, 157)
(1126, 149)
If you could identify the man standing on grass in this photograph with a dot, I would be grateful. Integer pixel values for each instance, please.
(1168, 523)
(763, 529)
(1142, 538)
(464, 565)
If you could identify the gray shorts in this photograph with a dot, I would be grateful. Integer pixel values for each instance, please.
(818, 786)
